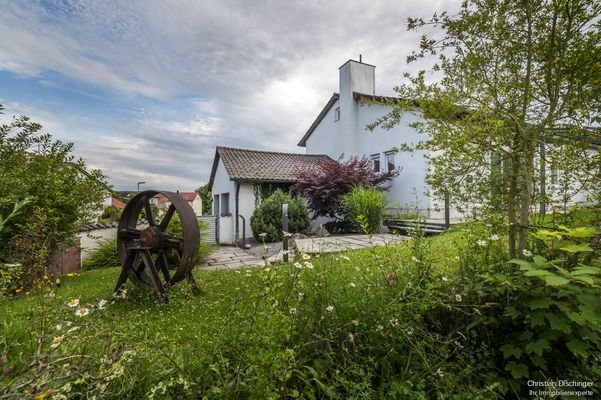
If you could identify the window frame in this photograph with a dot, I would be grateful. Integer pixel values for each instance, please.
(375, 161)
(387, 156)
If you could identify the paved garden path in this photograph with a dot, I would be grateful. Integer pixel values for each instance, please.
(230, 257)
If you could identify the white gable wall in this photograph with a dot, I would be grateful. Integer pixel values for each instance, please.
(349, 137)
(328, 137)
(408, 190)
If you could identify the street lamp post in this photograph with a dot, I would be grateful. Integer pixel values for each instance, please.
(140, 183)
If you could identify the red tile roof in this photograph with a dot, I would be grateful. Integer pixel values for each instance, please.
(118, 204)
(262, 166)
(188, 196)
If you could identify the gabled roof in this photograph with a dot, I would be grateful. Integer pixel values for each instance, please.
(262, 166)
(188, 196)
(356, 95)
(118, 204)
(322, 114)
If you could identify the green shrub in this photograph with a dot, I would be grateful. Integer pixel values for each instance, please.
(267, 218)
(541, 311)
(366, 202)
(104, 256)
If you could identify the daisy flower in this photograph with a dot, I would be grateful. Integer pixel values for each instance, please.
(73, 303)
(56, 342)
(82, 312)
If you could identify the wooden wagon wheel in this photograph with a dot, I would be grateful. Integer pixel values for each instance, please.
(145, 252)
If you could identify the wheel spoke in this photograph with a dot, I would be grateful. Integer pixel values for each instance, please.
(130, 234)
(148, 212)
(167, 218)
(173, 242)
(163, 265)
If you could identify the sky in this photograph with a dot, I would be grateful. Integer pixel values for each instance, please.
(147, 89)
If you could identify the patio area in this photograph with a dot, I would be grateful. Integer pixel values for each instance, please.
(230, 257)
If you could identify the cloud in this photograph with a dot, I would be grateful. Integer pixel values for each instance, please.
(192, 75)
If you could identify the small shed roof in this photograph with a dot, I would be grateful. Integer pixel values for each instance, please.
(262, 166)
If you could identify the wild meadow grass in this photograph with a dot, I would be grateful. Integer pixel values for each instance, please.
(404, 321)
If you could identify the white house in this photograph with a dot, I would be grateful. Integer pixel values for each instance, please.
(238, 179)
(192, 198)
(340, 129)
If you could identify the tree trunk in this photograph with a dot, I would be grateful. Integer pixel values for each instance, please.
(512, 199)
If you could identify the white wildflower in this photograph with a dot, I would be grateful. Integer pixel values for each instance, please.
(409, 331)
(482, 243)
(73, 329)
(445, 279)
(527, 253)
(440, 373)
(298, 265)
(379, 328)
(458, 297)
(59, 327)
(292, 311)
(330, 308)
(82, 312)
(394, 322)
(352, 284)
(414, 259)
(355, 322)
(101, 304)
(493, 237)
(56, 342)
(306, 256)
(308, 265)
(73, 303)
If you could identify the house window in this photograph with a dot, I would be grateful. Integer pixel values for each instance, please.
(375, 160)
(216, 205)
(554, 176)
(389, 158)
(225, 203)
(337, 114)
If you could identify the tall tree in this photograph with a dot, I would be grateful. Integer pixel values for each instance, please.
(511, 78)
(60, 190)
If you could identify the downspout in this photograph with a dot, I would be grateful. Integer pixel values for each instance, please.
(237, 183)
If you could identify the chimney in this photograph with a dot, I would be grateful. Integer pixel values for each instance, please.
(356, 76)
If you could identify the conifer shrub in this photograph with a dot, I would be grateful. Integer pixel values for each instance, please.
(267, 218)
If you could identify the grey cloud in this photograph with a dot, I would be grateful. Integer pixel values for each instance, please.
(264, 68)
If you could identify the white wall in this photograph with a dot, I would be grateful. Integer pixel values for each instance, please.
(327, 138)
(91, 240)
(246, 205)
(409, 189)
(197, 206)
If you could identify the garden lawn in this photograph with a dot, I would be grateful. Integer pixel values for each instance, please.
(395, 321)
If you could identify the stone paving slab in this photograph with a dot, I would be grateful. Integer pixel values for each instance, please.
(230, 257)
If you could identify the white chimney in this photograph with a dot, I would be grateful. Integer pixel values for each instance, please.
(355, 77)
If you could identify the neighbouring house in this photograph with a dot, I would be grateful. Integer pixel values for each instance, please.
(192, 198)
(240, 178)
(118, 204)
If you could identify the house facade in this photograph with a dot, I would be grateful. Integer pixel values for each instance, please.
(192, 198)
(240, 177)
(340, 130)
